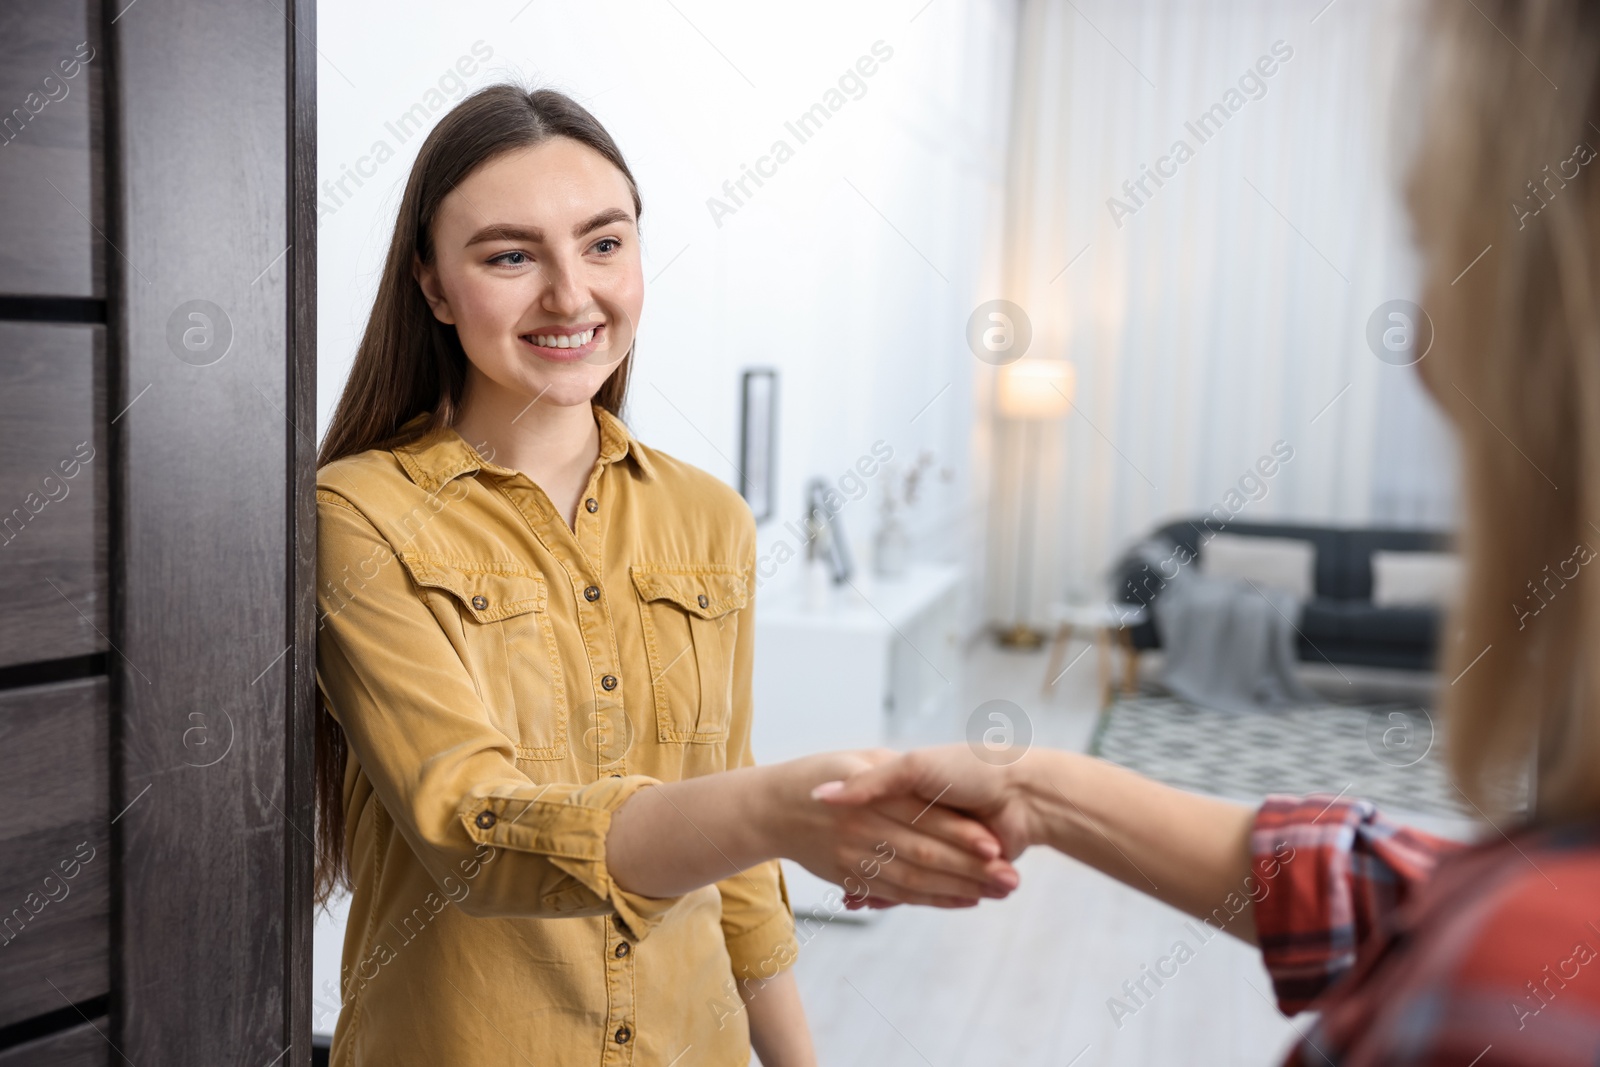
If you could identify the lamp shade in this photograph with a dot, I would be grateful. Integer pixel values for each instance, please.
(1036, 388)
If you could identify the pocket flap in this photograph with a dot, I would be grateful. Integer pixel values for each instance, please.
(489, 590)
(707, 590)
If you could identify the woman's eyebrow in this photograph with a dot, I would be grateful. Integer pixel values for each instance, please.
(506, 231)
(604, 218)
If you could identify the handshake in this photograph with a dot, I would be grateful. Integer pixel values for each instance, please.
(951, 823)
(935, 826)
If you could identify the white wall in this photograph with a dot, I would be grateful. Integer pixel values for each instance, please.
(862, 313)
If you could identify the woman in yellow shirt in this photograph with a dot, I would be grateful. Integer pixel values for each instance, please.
(527, 617)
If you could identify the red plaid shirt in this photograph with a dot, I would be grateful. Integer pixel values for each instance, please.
(1421, 951)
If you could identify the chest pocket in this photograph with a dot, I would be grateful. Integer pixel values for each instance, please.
(690, 617)
(495, 612)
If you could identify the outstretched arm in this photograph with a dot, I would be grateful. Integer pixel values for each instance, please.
(1191, 851)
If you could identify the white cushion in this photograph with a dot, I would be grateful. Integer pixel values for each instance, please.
(1414, 579)
(1285, 563)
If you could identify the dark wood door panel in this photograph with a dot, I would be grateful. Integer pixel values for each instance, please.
(50, 156)
(55, 855)
(82, 1046)
(52, 491)
(212, 940)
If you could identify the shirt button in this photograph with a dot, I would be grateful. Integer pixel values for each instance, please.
(592, 504)
(592, 593)
(622, 1035)
(480, 602)
(703, 601)
(608, 682)
(623, 949)
(485, 820)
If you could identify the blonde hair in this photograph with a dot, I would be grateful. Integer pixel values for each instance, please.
(1505, 170)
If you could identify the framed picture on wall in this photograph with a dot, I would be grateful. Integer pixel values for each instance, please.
(758, 417)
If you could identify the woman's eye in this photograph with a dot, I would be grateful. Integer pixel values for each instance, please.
(607, 245)
(510, 259)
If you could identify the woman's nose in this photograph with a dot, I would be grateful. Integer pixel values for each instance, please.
(565, 292)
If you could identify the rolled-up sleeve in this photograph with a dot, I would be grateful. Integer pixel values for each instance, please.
(757, 921)
(1334, 872)
(442, 771)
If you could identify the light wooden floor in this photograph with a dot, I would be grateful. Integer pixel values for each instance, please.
(1026, 981)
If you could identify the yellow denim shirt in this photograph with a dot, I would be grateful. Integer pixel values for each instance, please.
(505, 682)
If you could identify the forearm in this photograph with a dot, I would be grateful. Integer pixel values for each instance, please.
(679, 836)
(778, 1030)
(1188, 850)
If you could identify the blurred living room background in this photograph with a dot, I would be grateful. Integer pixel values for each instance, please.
(1064, 351)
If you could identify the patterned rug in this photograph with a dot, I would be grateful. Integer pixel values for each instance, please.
(1386, 753)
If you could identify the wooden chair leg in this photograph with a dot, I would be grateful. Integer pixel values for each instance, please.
(1102, 641)
(1058, 651)
(1130, 663)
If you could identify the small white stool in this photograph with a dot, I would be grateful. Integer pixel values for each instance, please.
(1109, 625)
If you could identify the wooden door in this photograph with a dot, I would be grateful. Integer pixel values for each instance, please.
(157, 413)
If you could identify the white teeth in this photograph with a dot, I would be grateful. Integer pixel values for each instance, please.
(566, 340)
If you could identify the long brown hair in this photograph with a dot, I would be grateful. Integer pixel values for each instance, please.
(1504, 191)
(409, 363)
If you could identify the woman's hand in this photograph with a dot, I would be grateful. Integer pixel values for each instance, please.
(899, 848)
(953, 776)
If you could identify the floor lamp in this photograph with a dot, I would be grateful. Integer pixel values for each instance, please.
(1031, 391)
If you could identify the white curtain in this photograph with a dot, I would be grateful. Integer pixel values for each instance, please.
(1221, 310)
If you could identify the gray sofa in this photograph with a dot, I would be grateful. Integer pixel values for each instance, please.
(1340, 623)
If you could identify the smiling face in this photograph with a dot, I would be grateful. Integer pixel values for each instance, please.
(536, 264)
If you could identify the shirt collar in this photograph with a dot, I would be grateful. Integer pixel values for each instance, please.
(442, 454)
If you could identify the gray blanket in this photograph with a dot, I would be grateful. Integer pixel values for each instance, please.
(1228, 644)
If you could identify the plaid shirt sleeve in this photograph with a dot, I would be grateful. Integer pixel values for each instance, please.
(1342, 870)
